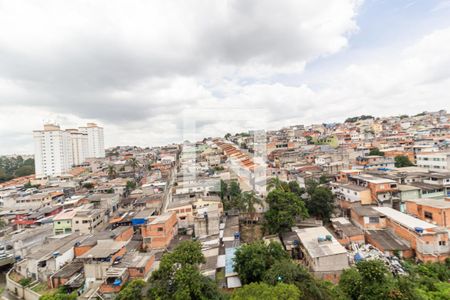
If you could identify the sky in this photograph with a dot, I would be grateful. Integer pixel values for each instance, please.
(156, 72)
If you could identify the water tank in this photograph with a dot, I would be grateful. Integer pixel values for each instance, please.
(117, 282)
(418, 229)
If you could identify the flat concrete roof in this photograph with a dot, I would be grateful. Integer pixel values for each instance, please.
(404, 219)
(366, 211)
(404, 188)
(309, 238)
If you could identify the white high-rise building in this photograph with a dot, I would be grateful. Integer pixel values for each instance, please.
(79, 146)
(96, 144)
(53, 151)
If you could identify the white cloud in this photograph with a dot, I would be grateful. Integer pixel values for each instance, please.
(142, 68)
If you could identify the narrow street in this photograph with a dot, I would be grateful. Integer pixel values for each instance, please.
(167, 198)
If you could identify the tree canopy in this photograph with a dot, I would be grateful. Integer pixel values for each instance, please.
(178, 276)
(263, 291)
(376, 151)
(289, 272)
(402, 161)
(253, 260)
(132, 290)
(321, 203)
(372, 280)
(284, 208)
(12, 167)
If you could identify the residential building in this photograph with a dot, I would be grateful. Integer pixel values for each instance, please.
(79, 146)
(434, 161)
(98, 262)
(322, 253)
(87, 220)
(347, 233)
(158, 233)
(429, 242)
(52, 151)
(383, 191)
(96, 144)
(435, 211)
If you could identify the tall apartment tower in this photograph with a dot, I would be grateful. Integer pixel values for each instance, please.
(96, 144)
(52, 151)
(79, 146)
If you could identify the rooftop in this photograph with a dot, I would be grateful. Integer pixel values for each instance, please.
(366, 210)
(404, 219)
(162, 218)
(388, 241)
(309, 238)
(404, 188)
(372, 179)
(437, 203)
(104, 248)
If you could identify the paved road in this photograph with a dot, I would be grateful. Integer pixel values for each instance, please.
(167, 198)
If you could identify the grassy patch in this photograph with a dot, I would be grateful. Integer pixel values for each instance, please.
(42, 289)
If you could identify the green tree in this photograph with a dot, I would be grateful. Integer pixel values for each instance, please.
(133, 163)
(111, 170)
(276, 183)
(402, 161)
(323, 179)
(247, 203)
(59, 296)
(223, 190)
(131, 185)
(2, 223)
(88, 185)
(370, 280)
(311, 186)
(321, 203)
(24, 171)
(351, 283)
(376, 151)
(251, 261)
(132, 290)
(178, 276)
(284, 208)
(295, 188)
(263, 291)
(12, 167)
(234, 195)
(288, 272)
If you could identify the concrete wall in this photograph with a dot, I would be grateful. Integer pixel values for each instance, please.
(20, 291)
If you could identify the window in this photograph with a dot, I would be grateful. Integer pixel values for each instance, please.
(76, 222)
(374, 220)
(160, 229)
(441, 243)
(428, 215)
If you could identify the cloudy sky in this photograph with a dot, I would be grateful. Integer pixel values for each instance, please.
(155, 72)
